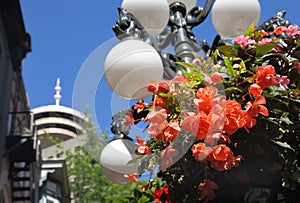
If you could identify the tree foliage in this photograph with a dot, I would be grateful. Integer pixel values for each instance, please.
(86, 181)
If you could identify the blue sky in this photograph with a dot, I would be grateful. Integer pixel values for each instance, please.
(65, 32)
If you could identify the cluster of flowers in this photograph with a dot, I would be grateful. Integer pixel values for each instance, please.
(193, 104)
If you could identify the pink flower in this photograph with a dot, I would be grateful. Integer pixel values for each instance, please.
(265, 41)
(292, 30)
(281, 81)
(243, 41)
(215, 78)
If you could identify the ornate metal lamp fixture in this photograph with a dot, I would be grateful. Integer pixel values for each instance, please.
(145, 29)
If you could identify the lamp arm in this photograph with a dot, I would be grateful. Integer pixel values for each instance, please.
(128, 26)
(164, 39)
(170, 67)
(198, 14)
(120, 126)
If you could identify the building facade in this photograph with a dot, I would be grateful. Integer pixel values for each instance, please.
(57, 128)
(18, 146)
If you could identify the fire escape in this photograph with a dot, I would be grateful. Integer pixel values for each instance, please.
(22, 150)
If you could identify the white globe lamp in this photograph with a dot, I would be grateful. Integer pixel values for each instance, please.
(231, 18)
(115, 159)
(130, 66)
(152, 14)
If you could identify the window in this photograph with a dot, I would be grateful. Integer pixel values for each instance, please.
(53, 189)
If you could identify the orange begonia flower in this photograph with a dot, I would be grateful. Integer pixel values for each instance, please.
(167, 157)
(254, 108)
(204, 97)
(234, 116)
(265, 76)
(171, 131)
(143, 148)
(201, 151)
(255, 90)
(132, 177)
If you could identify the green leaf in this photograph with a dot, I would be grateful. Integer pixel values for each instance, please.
(297, 43)
(143, 199)
(286, 120)
(250, 31)
(186, 65)
(228, 50)
(229, 67)
(232, 89)
(261, 50)
(283, 144)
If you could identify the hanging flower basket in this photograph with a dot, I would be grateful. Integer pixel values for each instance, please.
(228, 129)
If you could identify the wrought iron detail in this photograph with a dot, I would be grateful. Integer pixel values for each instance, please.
(198, 14)
(128, 26)
(274, 22)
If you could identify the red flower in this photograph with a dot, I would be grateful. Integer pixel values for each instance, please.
(171, 131)
(160, 102)
(249, 122)
(263, 33)
(158, 122)
(207, 189)
(140, 106)
(254, 108)
(129, 119)
(164, 86)
(190, 124)
(265, 76)
(143, 148)
(222, 158)
(157, 116)
(180, 79)
(221, 152)
(279, 30)
(152, 86)
(132, 177)
(197, 125)
(255, 89)
(234, 116)
(167, 157)
(158, 193)
(200, 151)
(216, 78)
(204, 97)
